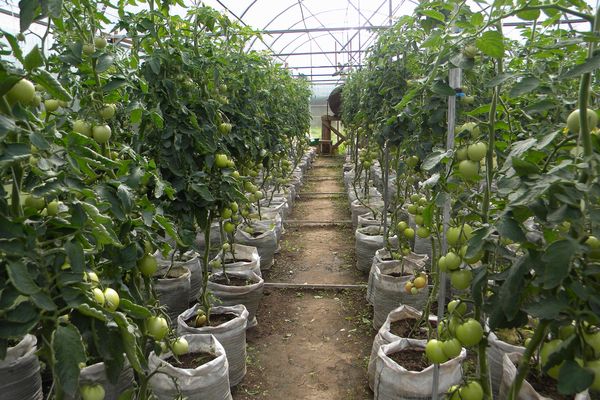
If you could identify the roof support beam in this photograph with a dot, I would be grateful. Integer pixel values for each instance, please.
(334, 29)
(319, 53)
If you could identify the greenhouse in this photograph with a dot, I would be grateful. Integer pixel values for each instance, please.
(299, 199)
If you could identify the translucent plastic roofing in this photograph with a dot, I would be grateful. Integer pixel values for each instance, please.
(321, 39)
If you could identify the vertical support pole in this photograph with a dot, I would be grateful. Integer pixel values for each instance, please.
(390, 12)
(386, 177)
(454, 80)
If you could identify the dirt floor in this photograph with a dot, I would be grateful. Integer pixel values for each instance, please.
(312, 344)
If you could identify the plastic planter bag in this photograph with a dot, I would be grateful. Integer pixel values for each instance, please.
(394, 382)
(389, 293)
(357, 208)
(190, 260)
(384, 258)
(527, 392)
(264, 238)
(495, 353)
(249, 295)
(231, 334)
(174, 291)
(20, 372)
(96, 374)
(206, 382)
(385, 336)
(367, 241)
(246, 259)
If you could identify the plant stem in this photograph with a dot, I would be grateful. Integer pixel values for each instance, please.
(205, 294)
(536, 340)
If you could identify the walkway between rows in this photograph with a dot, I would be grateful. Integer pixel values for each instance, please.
(312, 343)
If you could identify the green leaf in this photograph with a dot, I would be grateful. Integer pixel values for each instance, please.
(589, 65)
(433, 14)
(491, 43)
(529, 15)
(573, 378)
(28, 10)
(434, 159)
(14, 45)
(38, 141)
(89, 311)
(20, 278)
(7, 125)
(55, 8)
(499, 79)
(547, 308)
(50, 83)
(478, 240)
(13, 152)
(540, 106)
(524, 167)
(104, 62)
(43, 301)
(128, 335)
(134, 310)
(443, 89)
(557, 259)
(168, 227)
(74, 251)
(69, 352)
(525, 85)
(33, 59)
(509, 228)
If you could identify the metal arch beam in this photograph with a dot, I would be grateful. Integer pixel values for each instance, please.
(360, 12)
(300, 4)
(356, 33)
(300, 21)
(302, 44)
(273, 20)
(248, 8)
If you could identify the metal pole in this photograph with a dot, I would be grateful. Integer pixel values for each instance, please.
(455, 82)
(390, 12)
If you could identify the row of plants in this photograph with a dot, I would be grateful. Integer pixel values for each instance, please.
(120, 146)
(505, 205)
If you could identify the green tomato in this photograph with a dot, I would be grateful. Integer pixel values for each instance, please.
(229, 227)
(235, 174)
(434, 350)
(98, 296)
(51, 105)
(412, 161)
(451, 348)
(471, 391)
(234, 206)
(442, 264)
(108, 111)
(22, 92)
(101, 133)
(469, 170)
(409, 233)
(402, 225)
(573, 120)
(88, 49)
(221, 161)
(453, 393)
(462, 153)
(477, 151)
(412, 209)
(595, 367)
(92, 392)
(423, 232)
(52, 208)
(470, 51)
(468, 99)
(419, 219)
(148, 265)
(470, 332)
(593, 340)
(34, 202)
(453, 261)
(457, 307)
(100, 42)
(112, 299)
(82, 127)
(226, 213)
(92, 278)
(226, 247)
(157, 327)
(180, 346)
(593, 242)
(461, 279)
(225, 128)
(547, 349)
